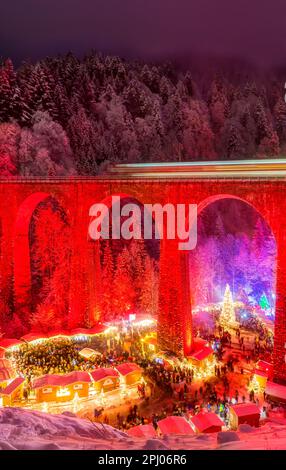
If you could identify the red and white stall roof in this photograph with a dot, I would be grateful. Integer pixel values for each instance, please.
(127, 368)
(144, 430)
(61, 380)
(202, 353)
(276, 390)
(245, 409)
(103, 373)
(16, 383)
(205, 421)
(175, 425)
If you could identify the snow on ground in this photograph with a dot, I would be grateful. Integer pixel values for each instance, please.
(22, 429)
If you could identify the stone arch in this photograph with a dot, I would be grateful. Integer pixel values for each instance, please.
(21, 247)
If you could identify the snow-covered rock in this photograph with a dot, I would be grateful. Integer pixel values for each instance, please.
(227, 436)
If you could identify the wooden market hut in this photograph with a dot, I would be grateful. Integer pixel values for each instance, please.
(276, 392)
(174, 425)
(88, 353)
(199, 358)
(245, 413)
(130, 372)
(7, 372)
(105, 379)
(206, 423)
(13, 393)
(61, 388)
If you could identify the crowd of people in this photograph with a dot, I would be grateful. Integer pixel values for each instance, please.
(50, 357)
(175, 383)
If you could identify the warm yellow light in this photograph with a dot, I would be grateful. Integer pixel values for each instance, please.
(63, 392)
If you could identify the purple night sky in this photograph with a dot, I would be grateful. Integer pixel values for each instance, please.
(153, 29)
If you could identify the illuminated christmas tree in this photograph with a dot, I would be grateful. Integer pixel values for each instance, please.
(254, 385)
(227, 316)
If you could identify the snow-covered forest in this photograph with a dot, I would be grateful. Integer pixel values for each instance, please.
(65, 116)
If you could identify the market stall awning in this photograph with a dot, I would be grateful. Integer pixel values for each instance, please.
(175, 425)
(38, 336)
(8, 343)
(58, 334)
(96, 330)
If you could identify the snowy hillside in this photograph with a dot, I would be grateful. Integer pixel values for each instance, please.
(22, 429)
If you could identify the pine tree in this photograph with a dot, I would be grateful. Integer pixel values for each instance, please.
(280, 120)
(107, 279)
(124, 293)
(44, 319)
(149, 288)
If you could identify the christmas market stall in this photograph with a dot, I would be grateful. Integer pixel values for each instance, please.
(144, 430)
(88, 353)
(276, 392)
(13, 393)
(206, 423)
(8, 344)
(174, 425)
(130, 372)
(201, 357)
(105, 379)
(149, 343)
(246, 413)
(61, 388)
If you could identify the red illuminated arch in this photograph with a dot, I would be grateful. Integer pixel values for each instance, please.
(185, 262)
(22, 260)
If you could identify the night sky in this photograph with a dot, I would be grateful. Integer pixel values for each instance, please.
(150, 29)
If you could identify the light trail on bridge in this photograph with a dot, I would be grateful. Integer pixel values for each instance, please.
(275, 168)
